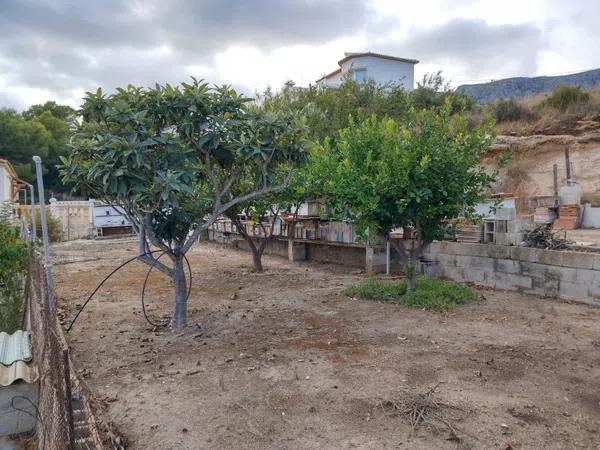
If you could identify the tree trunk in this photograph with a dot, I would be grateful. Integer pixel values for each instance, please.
(410, 271)
(257, 259)
(179, 283)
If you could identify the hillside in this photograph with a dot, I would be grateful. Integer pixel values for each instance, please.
(520, 87)
(529, 172)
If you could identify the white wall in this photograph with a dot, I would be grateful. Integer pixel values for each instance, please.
(384, 71)
(380, 70)
(5, 185)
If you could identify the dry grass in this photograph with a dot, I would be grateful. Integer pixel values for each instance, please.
(423, 409)
(540, 118)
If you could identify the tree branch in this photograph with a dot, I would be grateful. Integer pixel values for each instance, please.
(218, 211)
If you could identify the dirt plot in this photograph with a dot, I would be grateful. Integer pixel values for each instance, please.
(283, 360)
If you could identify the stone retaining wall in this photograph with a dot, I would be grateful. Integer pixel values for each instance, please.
(563, 274)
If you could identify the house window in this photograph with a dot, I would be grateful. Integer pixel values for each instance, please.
(360, 75)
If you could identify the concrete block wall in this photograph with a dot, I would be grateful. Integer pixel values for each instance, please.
(562, 274)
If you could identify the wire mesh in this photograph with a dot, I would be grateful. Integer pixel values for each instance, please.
(64, 417)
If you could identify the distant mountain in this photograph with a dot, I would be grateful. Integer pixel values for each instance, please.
(522, 86)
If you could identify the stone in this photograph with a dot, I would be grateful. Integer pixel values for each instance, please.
(508, 266)
(512, 281)
(525, 254)
(587, 276)
(573, 291)
(498, 251)
(551, 257)
(580, 260)
(478, 262)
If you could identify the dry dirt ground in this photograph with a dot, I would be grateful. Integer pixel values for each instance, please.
(283, 360)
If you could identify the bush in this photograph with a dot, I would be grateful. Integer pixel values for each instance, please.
(431, 293)
(564, 97)
(509, 111)
(375, 289)
(55, 230)
(13, 263)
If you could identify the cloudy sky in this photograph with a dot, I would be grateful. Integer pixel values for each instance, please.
(59, 49)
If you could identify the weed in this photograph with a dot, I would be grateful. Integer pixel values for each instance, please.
(373, 288)
(430, 293)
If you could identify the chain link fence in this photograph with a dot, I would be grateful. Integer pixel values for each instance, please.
(64, 417)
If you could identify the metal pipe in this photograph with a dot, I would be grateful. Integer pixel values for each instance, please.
(33, 220)
(568, 164)
(48, 259)
(388, 262)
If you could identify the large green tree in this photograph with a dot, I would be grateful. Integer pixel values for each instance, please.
(41, 130)
(171, 156)
(20, 139)
(383, 174)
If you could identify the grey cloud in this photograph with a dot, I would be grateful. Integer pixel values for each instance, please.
(502, 50)
(66, 44)
(11, 101)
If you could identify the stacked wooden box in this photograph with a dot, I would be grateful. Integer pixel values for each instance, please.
(544, 215)
(469, 233)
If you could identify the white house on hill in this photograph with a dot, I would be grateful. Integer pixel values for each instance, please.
(383, 69)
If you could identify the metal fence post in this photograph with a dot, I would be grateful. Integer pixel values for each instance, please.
(47, 258)
(388, 262)
(33, 221)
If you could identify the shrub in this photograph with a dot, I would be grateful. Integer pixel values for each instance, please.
(510, 111)
(431, 293)
(565, 96)
(440, 295)
(375, 289)
(55, 230)
(13, 262)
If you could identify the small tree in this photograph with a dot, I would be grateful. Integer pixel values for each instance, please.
(170, 156)
(382, 175)
(263, 212)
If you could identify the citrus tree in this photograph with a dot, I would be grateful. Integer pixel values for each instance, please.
(170, 157)
(383, 174)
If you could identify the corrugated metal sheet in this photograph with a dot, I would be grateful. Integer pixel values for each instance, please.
(18, 370)
(15, 347)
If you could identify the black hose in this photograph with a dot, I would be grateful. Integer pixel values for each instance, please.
(119, 268)
(189, 289)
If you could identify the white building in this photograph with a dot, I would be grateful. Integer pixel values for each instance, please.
(382, 69)
(9, 182)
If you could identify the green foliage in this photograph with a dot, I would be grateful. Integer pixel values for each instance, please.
(171, 155)
(42, 130)
(63, 112)
(509, 111)
(13, 263)
(565, 96)
(376, 289)
(177, 158)
(55, 230)
(20, 139)
(328, 110)
(383, 174)
(433, 92)
(438, 295)
(431, 293)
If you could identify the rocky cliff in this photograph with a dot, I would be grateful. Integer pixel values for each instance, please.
(530, 170)
(522, 86)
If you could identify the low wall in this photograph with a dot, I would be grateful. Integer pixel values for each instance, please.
(274, 247)
(351, 255)
(563, 274)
